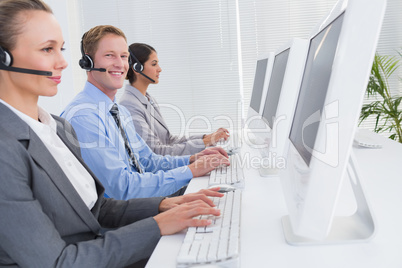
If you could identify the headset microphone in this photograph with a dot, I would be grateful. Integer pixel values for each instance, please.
(137, 66)
(141, 73)
(6, 60)
(102, 70)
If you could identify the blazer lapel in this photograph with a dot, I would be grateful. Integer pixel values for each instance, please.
(64, 131)
(149, 109)
(43, 158)
(154, 111)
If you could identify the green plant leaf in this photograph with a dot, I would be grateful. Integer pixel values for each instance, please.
(387, 111)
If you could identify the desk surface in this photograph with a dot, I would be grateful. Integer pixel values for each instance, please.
(263, 206)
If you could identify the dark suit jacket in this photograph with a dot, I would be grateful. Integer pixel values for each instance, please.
(43, 220)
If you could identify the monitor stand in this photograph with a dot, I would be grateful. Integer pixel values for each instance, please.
(268, 172)
(359, 227)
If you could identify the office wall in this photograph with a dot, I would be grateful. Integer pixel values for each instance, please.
(207, 49)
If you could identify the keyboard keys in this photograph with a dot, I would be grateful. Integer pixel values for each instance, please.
(232, 174)
(217, 242)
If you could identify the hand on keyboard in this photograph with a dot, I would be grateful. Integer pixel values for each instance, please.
(218, 243)
(183, 216)
(213, 138)
(203, 195)
(206, 163)
(208, 151)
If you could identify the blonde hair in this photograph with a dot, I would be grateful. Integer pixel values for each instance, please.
(11, 20)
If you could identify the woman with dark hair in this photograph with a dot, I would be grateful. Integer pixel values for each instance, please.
(145, 112)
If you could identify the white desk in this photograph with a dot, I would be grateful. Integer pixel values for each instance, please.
(263, 205)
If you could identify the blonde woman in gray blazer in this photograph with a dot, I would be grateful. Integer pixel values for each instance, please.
(146, 115)
(53, 210)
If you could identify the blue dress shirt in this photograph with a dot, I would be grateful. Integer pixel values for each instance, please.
(102, 148)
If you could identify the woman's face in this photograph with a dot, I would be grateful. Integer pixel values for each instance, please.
(152, 68)
(39, 46)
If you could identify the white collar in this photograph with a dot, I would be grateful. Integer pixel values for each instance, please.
(44, 117)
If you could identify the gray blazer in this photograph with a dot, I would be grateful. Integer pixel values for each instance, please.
(151, 126)
(43, 220)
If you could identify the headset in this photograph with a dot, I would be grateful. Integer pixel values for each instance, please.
(137, 65)
(6, 60)
(86, 61)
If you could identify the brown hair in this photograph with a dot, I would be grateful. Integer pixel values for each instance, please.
(90, 39)
(12, 23)
(141, 52)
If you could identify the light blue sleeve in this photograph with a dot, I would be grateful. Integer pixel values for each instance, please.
(107, 158)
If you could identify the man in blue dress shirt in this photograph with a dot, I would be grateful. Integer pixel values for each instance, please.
(119, 157)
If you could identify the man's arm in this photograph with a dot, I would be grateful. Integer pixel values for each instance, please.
(105, 156)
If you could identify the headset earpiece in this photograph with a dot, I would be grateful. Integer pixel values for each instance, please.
(138, 67)
(86, 61)
(5, 57)
(135, 63)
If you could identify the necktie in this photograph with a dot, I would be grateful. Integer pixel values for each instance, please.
(115, 113)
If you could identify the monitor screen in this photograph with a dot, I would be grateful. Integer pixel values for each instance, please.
(275, 86)
(314, 88)
(258, 84)
(319, 151)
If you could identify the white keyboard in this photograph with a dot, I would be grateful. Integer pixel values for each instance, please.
(232, 174)
(363, 139)
(218, 242)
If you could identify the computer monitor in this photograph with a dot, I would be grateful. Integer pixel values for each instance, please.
(275, 86)
(280, 102)
(258, 87)
(282, 95)
(254, 123)
(319, 148)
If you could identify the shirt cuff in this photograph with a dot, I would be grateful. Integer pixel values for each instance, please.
(187, 159)
(187, 174)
